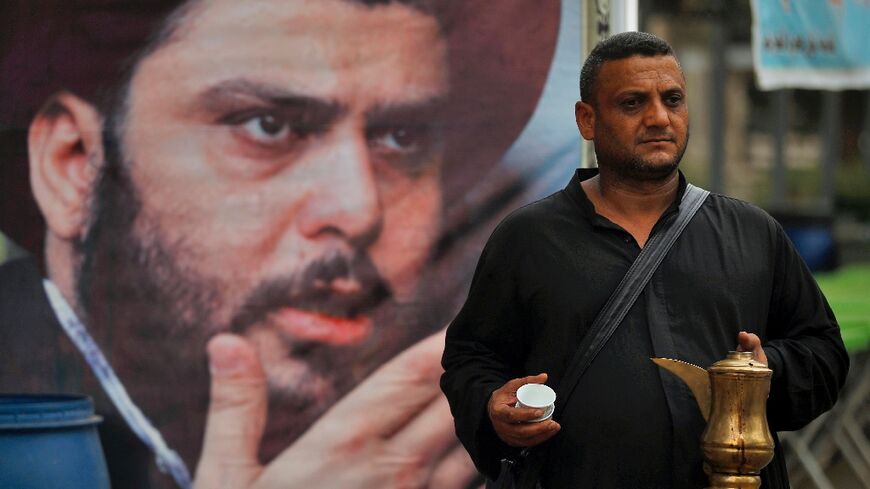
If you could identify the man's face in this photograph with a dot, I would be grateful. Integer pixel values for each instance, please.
(285, 160)
(641, 117)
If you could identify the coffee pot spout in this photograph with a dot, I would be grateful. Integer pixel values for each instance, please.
(695, 377)
(732, 396)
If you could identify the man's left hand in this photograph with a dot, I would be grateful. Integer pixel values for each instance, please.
(751, 342)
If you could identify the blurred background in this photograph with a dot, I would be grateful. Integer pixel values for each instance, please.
(801, 153)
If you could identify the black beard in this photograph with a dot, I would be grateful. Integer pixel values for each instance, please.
(152, 319)
(638, 170)
(149, 326)
(629, 167)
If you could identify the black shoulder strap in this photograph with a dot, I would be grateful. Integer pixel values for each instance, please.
(627, 292)
(616, 308)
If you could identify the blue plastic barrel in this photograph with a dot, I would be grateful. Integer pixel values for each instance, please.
(813, 238)
(50, 441)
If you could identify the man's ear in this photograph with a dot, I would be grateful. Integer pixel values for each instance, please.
(65, 149)
(584, 114)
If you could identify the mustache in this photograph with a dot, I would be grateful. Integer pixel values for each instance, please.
(657, 136)
(313, 289)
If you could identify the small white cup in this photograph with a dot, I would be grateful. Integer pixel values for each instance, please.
(537, 396)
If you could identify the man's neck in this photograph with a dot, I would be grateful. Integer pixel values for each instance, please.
(634, 205)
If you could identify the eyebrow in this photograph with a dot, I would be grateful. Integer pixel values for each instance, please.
(428, 111)
(226, 94)
(634, 91)
(236, 92)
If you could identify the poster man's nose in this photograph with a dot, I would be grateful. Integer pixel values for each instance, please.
(344, 197)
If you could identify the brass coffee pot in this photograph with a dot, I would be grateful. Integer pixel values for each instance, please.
(732, 395)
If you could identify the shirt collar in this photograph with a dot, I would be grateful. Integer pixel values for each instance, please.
(575, 191)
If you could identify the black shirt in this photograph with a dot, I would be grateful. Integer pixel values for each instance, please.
(549, 268)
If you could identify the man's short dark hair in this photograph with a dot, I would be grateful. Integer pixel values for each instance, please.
(618, 46)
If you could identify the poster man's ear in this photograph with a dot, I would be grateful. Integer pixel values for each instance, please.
(584, 114)
(65, 150)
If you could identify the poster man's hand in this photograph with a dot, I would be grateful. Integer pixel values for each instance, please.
(751, 342)
(393, 430)
(236, 416)
(511, 424)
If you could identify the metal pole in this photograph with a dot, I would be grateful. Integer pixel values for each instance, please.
(831, 129)
(718, 75)
(624, 16)
(780, 130)
(864, 138)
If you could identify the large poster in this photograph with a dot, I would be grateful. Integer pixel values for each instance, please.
(817, 44)
(309, 181)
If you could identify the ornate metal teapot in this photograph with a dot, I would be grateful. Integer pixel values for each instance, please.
(732, 395)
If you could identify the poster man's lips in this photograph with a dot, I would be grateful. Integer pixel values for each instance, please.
(321, 327)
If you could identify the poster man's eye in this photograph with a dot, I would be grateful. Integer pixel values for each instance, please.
(406, 147)
(266, 128)
(399, 139)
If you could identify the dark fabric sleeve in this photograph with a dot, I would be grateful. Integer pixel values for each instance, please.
(483, 350)
(803, 345)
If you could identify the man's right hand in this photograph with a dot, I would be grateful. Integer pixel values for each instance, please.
(512, 424)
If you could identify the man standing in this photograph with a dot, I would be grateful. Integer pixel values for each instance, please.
(731, 278)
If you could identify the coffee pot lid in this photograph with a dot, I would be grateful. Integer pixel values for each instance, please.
(740, 362)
